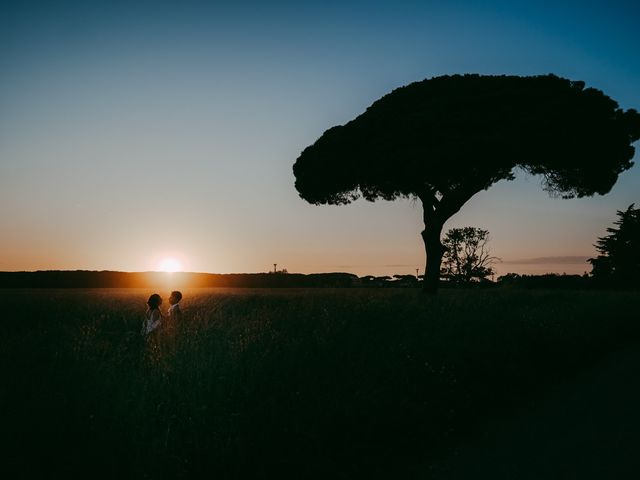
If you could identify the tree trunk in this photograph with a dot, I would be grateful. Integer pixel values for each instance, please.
(434, 251)
(435, 213)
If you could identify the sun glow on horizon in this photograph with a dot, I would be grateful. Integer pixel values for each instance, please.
(170, 265)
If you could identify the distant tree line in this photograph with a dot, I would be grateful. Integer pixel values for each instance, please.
(546, 281)
(159, 280)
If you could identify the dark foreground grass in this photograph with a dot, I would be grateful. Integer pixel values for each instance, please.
(269, 384)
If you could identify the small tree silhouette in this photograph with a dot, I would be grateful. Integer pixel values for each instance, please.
(467, 257)
(618, 261)
(445, 139)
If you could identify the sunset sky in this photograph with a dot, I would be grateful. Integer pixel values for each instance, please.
(132, 132)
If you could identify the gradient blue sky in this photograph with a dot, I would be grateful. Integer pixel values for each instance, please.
(132, 131)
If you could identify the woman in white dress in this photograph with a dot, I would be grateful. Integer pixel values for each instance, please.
(153, 317)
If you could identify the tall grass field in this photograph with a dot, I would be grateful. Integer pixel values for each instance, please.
(275, 383)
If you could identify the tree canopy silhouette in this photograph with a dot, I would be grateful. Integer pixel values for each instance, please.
(444, 139)
(618, 262)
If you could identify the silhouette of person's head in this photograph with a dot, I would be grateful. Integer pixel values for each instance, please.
(154, 301)
(175, 297)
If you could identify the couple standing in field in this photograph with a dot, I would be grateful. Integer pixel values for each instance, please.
(153, 316)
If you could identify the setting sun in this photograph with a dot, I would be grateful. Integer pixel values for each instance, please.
(169, 264)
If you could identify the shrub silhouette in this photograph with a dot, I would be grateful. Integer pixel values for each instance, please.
(467, 257)
(442, 140)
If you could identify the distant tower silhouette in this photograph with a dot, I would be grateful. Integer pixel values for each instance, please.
(417, 276)
(275, 270)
